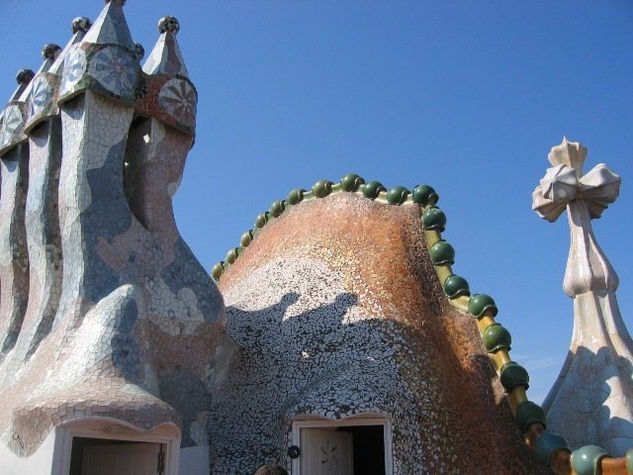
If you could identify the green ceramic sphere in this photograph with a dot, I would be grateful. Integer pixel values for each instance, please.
(322, 188)
(351, 182)
(277, 208)
(372, 189)
(295, 196)
(512, 375)
(217, 270)
(397, 195)
(547, 444)
(496, 338)
(479, 303)
(529, 413)
(424, 195)
(232, 255)
(246, 238)
(586, 460)
(434, 219)
(261, 220)
(456, 286)
(442, 253)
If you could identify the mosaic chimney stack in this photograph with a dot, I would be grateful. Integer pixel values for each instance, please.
(591, 402)
(115, 307)
(43, 126)
(14, 266)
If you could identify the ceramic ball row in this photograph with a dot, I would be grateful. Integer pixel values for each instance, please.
(495, 337)
(421, 194)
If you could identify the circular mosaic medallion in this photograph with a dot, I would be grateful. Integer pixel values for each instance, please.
(115, 71)
(41, 96)
(74, 69)
(179, 99)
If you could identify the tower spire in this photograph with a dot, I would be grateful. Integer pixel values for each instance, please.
(591, 402)
(105, 60)
(168, 81)
(166, 57)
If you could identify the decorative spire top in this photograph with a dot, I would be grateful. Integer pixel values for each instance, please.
(168, 23)
(167, 75)
(584, 197)
(24, 76)
(81, 23)
(166, 58)
(79, 26)
(110, 28)
(564, 183)
(120, 2)
(600, 341)
(104, 61)
(42, 102)
(51, 51)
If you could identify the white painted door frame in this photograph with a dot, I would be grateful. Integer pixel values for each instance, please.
(167, 434)
(312, 422)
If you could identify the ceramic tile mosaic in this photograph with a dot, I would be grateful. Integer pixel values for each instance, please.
(335, 310)
(346, 319)
(116, 318)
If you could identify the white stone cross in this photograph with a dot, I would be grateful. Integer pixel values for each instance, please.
(585, 197)
(591, 402)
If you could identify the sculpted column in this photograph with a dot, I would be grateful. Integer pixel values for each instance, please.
(591, 402)
(14, 260)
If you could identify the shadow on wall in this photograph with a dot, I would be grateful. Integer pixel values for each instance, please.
(304, 355)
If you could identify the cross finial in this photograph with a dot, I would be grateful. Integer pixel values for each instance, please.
(585, 197)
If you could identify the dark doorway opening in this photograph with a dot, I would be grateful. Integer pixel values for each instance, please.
(369, 449)
(123, 457)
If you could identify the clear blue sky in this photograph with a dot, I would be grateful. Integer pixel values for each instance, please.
(465, 96)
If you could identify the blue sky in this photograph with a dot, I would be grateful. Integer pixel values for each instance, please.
(465, 96)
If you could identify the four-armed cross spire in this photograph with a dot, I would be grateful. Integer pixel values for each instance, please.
(592, 399)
